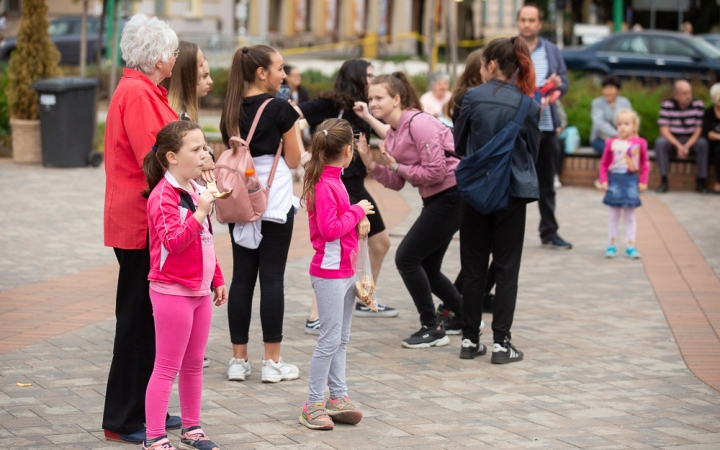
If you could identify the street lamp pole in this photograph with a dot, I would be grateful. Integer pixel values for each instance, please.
(617, 14)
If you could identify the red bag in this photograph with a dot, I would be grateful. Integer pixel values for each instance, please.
(241, 206)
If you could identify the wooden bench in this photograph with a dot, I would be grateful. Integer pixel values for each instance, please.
(581, 169)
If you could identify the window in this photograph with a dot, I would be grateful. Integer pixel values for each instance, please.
(193, 7)
(61, 28)
(14, 6)
(160, 8)
(629, 44)
(668, 46)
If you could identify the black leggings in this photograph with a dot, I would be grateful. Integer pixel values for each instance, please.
(500, 234)
(420, 255)
(269, 259)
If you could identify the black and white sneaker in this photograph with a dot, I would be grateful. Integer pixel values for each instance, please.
(383, 311)
(206, 362)
(312, 327)
(505, 353)
(469, 349)
(426, 337)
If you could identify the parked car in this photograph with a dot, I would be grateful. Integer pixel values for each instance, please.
(714, 39)
(65, 34)
(648, 54)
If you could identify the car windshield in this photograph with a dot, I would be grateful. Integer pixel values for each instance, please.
(706, 48)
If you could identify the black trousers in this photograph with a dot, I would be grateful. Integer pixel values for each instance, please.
(545, 167)
(715, 157)
(134, 347)
(420, 255)
(500, 234)
(269, 261)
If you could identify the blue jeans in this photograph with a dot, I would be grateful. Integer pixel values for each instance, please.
(598, 145)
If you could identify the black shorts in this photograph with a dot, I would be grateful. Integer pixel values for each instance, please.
(356, 192)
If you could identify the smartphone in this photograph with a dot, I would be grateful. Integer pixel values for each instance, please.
(284, 92)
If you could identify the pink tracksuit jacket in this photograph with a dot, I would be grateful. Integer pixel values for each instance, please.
(333, 223)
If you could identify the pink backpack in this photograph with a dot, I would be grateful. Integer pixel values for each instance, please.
(241, 207)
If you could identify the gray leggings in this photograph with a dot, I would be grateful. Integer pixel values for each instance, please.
(335, 301)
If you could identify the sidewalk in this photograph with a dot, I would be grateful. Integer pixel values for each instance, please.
(602, 369)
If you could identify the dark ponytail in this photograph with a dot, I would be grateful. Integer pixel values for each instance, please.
(169, 139)
(399, 84)
(243, 71)
(326, 146)
(513, 59)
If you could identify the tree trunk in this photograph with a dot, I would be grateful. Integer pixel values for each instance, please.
(83, 39)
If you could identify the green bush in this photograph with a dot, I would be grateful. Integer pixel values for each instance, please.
(644, 98)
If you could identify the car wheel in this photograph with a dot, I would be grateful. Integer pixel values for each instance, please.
(595, 75)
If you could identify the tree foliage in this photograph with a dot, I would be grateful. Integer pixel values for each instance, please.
(35, 57)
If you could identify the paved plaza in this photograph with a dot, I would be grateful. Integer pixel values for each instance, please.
(618, 353)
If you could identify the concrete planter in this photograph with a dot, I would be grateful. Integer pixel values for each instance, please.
(26, 141)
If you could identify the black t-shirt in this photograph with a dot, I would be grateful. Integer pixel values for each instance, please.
(710, 122)
(278, 117)
(318, 110)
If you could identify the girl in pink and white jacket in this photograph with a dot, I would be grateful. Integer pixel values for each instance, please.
(334, 229)
(418, 149)
(183, 272)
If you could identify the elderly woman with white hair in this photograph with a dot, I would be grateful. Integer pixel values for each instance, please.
(711, 130)
(138, 110)
(434, 100)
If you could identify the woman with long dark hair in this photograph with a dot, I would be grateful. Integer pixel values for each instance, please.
(351, 86)
(509, 76)
(416, 150)
(255, 77)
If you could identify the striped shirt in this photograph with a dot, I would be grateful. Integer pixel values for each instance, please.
(682, 122)
(540, 61)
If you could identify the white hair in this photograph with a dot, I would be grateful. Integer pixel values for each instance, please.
(715, 97)
(145, 42)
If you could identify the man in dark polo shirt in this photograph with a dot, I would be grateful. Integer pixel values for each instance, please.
(680, 122)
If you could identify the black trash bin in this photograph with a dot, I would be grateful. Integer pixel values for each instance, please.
(67, 121)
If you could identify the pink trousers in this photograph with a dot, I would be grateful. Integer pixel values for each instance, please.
(182, 326)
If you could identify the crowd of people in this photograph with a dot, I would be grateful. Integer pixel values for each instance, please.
(161, 188)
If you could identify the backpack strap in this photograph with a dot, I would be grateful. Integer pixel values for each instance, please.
(275, 163)
(410, 124)
(255, 121)
(522, 110)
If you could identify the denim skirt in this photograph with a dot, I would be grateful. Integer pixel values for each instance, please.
(623, 191)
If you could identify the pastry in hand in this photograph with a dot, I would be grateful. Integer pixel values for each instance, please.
(216, 194)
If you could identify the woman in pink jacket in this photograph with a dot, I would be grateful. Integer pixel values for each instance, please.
(416, 150)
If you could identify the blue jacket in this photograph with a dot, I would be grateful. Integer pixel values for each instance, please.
(485, 110)
(556, 65)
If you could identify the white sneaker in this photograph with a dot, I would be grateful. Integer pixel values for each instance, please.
(556, 182)
(238, 370)
(275, 372)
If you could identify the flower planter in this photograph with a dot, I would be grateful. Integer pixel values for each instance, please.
(26, 141)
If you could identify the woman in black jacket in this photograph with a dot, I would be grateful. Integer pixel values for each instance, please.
(508, 73)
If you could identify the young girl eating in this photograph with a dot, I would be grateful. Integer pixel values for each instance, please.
(624, 170)
(183, 272)
(335, 226)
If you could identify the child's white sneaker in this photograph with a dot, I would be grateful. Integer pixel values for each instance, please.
(275, 372)
(238, 369)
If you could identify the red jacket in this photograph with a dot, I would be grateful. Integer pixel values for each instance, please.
(175, 244)
(137, 111)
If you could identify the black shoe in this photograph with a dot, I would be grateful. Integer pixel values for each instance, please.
(505, 353)
(470, 350)
(453, 326)
(488, 302)
(425, 337)
(383, 311)
(701, 186)
(663, 188)
(556, 242)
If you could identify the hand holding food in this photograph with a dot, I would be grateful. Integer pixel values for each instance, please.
(366, 292)
(213, 187)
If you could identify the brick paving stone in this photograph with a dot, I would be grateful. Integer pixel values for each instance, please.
(602, 368)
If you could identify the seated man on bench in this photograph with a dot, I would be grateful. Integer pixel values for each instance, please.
(680, 121)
